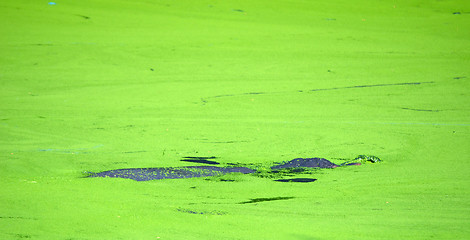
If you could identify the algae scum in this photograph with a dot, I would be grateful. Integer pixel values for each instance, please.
(148, 89)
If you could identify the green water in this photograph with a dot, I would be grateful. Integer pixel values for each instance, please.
(88, 86)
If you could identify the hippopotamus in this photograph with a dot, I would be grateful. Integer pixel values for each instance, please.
(146, 174)
(310, 163)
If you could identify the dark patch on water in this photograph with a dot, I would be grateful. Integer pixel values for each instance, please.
(257, 200)
(238, 10)
(303, 180)
(200, 160)
(83, 16)
(227, 180)
(460, 77)
(420, 110)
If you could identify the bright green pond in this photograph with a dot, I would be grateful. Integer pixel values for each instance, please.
(88, 86)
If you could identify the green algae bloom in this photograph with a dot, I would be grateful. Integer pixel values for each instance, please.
(94, 85)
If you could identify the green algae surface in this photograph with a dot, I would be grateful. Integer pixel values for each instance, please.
(89, 86)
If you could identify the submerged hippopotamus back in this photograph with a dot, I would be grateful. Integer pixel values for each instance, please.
(146, 174)
(307, 162)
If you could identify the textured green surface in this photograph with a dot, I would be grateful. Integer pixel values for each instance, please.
(98, 85)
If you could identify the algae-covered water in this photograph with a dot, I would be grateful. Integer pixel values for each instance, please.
(89, 86)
